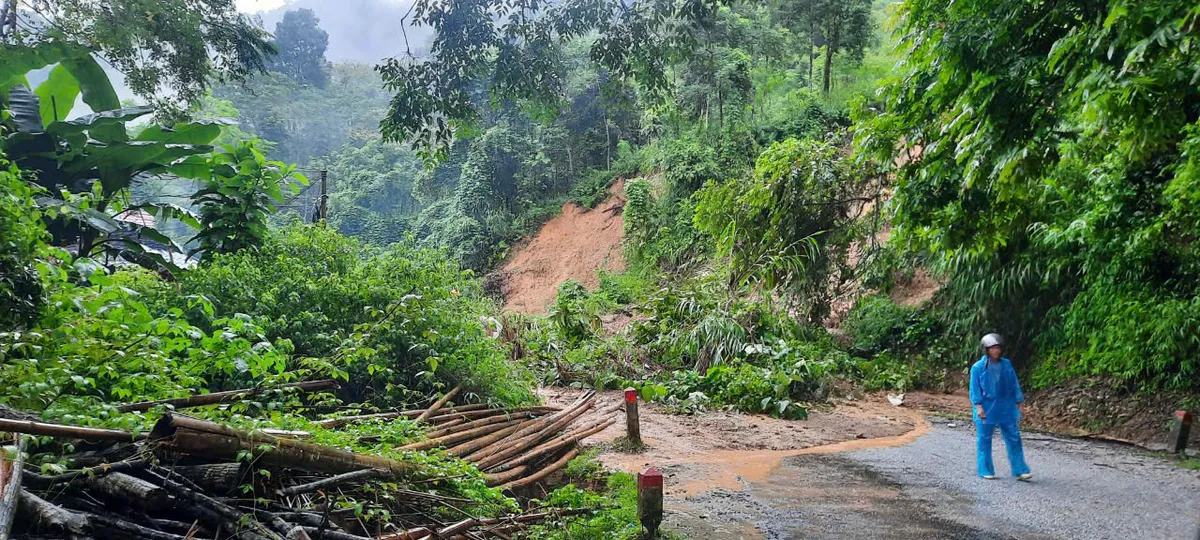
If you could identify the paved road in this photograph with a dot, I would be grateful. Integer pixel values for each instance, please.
(928, 489)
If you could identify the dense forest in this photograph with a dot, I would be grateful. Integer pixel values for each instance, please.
(261, 215)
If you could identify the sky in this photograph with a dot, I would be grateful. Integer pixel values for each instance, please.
(254, 6)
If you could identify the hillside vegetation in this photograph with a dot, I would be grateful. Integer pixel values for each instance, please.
(1041, 162)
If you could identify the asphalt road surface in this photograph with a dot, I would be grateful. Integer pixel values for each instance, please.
(1082, 489)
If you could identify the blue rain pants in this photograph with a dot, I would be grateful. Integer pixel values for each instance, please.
(1012, 443)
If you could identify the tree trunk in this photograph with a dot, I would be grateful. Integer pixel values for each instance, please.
(123, 489)
(830, 47)
(10, 487)
(203, 438)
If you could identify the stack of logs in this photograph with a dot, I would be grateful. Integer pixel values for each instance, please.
(192, 478)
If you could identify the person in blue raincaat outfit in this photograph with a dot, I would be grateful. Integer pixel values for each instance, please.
(995, 393)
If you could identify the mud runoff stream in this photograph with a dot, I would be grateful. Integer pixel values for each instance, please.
(866, 469)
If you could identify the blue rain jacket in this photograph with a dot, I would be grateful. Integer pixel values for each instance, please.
(994, 385)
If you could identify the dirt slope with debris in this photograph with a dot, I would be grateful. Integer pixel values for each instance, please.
(573, 245)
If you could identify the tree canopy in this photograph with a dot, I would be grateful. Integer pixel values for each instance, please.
(301, 43)
(168, 50)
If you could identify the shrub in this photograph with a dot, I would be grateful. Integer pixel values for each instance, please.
(23, 236)
(399, 320)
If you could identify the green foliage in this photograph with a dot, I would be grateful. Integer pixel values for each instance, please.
(236, 199)
(435, 99)
(97, 346)
(87, 166)
(399, 322)
(788, 226)
(772, 379)
(1055, 175)
(164, 48)
(573, 314)
(616, 519)
(593, 188)
(23, 238)
(584, 466)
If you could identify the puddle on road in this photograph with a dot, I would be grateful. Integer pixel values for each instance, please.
(732, 469)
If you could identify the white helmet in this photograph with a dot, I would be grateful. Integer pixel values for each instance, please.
(991, 340)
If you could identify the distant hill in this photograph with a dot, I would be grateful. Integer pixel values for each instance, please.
(359, 30)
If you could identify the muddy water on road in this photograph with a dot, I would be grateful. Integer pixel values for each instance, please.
(723, 469)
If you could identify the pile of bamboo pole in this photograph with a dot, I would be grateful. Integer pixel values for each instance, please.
(192, 478)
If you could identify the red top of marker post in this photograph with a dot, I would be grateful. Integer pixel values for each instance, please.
(630, 395)
(650, 478)
(1184, 416)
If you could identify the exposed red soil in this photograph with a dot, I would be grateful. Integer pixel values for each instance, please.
(573, 245)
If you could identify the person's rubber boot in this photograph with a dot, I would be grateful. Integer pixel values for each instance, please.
(1025, 477)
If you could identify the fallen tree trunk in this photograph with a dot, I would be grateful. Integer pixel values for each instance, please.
(10, 485)
(84, 525)
(438, 404)
(44, 482)
(203, 438)
(224, 397)
(127, 490)
(218, 478)
(67, 432)
(222, 514)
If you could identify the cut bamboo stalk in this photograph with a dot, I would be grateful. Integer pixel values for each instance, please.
(473, 446)
(356, 476)
(579, 402)
(437, 421)
(10, 485)
(38, 481)
(553, 445)
(66, 432)
(532, 440)
(225, 397)
(331, 423)
(445, 430)
(203, 438)
(562, 462)
(506, 476)
(458, 437)
(438, 404)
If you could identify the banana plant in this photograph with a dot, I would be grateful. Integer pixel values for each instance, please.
(86, 165)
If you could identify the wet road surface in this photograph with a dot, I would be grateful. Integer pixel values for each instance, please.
(928, 489)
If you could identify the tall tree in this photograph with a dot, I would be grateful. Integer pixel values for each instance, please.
(168, 50)
(302, 44)
(510, 49)
(837, 26)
